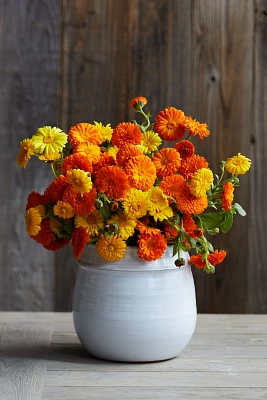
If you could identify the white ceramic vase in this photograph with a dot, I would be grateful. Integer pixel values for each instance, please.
(132, 310)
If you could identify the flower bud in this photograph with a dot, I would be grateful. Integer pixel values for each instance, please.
(179, 262)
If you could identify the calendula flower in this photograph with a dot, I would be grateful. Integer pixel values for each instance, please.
(227, 195)
(167, 161)
(106, 131)
(126, 133)
(81, 204)
(90, 150)
(136, 203)
(191, 227)
(157, 198)
(34, 200)
(41, 210)
(83, 133)
(49, 157)
(112, 248)
(112, 151)
(238, 164)
(25, 152)
(126, 153)
(104, 161)
(150, 142)
(63, 210)
(79, 180)
(126, 225)
(45, 235)
(142, 225)
(56, 244)
(55, 225)
(112, 181)
(200, 182)
(93, 222)
(55, 190)
(214, 258)
(169, 124)
(192, 164)
(141, 172)
(188, 203)
(33, 221)
(151, 247)
(49, 140)
(76, 161)
(79, 240)
(170, 232)
(161, 214)
(196, 128)
(185, 148)
(170, 184)
(138, 102)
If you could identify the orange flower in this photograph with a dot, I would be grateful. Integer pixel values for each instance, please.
(169, 124)
(112, 181)
(192, 164)
(214, 258)
(141, 172)
(79, 241)
(82, 133)
(56, 244)
(126, 153)
(227, 196)
(126, 133)
(170, 184)
(104, 161)
(76, 161)
(82, 204)
(34, 199)
(55, 190)
(190, 227)
(45, 235)
(142, 226)
(138, 102)
(185, 148)
(151, 247)
(188, 203)
(167, 162)
(170, 232)
(196, 128)
(89, 150)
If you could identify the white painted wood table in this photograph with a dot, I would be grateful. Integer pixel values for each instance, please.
(41, 358)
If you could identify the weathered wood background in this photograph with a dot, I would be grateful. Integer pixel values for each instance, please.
(64, 62)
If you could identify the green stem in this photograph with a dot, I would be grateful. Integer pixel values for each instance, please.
(53, 170)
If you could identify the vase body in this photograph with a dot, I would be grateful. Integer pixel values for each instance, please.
(132, 310)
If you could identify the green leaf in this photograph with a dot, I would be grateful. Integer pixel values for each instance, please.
(175, 249)
(211, 220)
(210, 247)
(190, 240)
(237, 207)
(228, 222)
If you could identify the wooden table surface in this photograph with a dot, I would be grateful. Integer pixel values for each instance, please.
(41, 358)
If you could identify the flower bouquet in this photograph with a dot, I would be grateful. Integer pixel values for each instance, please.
(118, 188)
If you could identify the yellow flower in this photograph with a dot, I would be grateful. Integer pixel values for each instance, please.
(159, 206)
(63, 210)
(200, 182)
(33, 221)
(106, 131)
(49, 140)
(90, 150)
(49, 157)
(238, 164)
(112, 151)
(126, 225)
(55, 226)
(92, 223)
(80, 181)
(112, 248)
(161, 214)
(150, 142)
(25, 153)
(136, 203)
(41, 210)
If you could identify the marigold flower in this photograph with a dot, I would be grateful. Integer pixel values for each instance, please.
(238, 164)
(150, 142)
(227, 195)
(63, 210)
(83, 133)
(81, 204)
(93, 222)
(34, 200)
(79, 240)
(214, 258)
(200, 182)
(49, 157)
(55, 225)
(169, 124)
(33, 221)
(192, 164)
(126, 133)
(138, 102)
(56, 244)
(170, 232)
(141, 172)
(112, 248)
(196, 128)
(144, 228)
(158, 200)
(151, 247)
(76, 161)
(188, 203)
(112, 151)
(55, 190)
(170, 184)
(185, 148)
(167, 161)
(49, 140)
(112, 181)
(136, 203)
(104, 161)
(126, 225)
(45, 235)
(89, 150)
(79, 180)
(105, 131)
(42, 210)
(126, 153)
(191, 227)
(25, 152)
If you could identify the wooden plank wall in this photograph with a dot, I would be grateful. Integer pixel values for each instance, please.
(63, 62)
